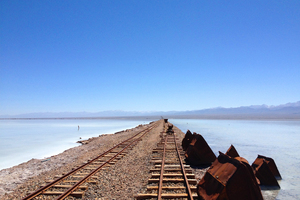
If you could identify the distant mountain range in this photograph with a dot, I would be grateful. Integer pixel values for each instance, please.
(284, 111)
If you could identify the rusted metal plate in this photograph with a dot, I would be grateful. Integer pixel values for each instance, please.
(265, 176)
(266, 171)
(229, 179)
(232, 152)
(199, 152)
(271, 164)
(187, 140)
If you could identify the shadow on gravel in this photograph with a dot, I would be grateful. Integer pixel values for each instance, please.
(196, 166)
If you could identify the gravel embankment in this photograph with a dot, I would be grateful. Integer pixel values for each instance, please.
(18, 181)
(124, 180)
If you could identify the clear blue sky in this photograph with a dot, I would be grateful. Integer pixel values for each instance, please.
(150, 55)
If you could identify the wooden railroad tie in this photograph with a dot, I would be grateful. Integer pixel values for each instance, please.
(172, 170)
(172, 166)
(74, 194)
(149, 188)
(73, 181)
(165, 195)
(176, 180)
(82, 187)
(174, 175)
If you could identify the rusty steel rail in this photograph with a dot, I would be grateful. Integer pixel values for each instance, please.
(175, 177)
(162, 170)
(69, 191)
(183, 172)
(80, 182)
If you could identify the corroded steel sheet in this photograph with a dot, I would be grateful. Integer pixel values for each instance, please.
(271, 164)
(199, 152)
(264, 174)
(187, 140)
(229, 179)
(266, 171)
(232, 152)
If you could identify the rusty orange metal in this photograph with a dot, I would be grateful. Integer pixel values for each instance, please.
(232, 152)
(264, 174)
(199, 152)
(229, 179)
(187, 140)
(271, 164)
(266, 171)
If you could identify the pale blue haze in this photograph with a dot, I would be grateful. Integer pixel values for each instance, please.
(276, 139)
(22, 140)
(73, 56)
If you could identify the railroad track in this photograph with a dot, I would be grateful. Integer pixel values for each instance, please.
(75, 182)
(170, 178)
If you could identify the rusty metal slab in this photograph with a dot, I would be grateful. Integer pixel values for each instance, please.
(271, 164)
(229, 179)
(199, 152)
(265, 170)
(232, 152)
(187, 140)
